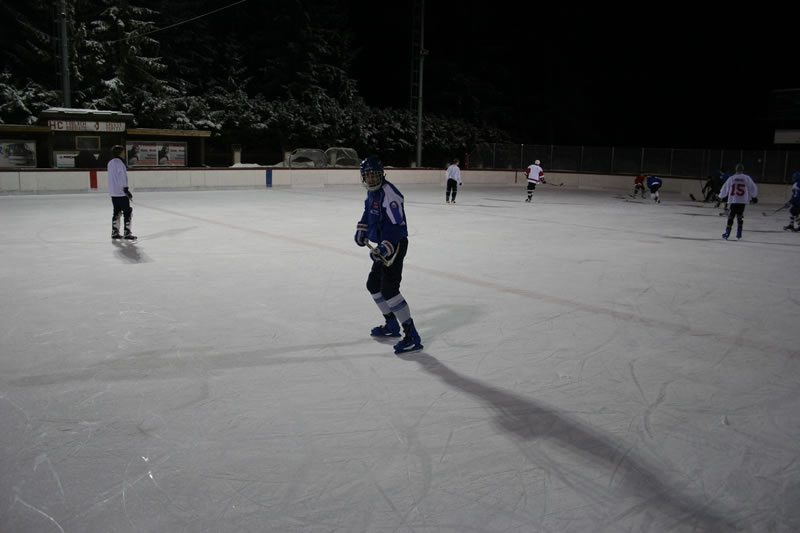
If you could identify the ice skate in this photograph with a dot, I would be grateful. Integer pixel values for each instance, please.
(790, 227)
(130, 236)
(411, 342)
(115, 234)
(390, 329)
(726, 235)
(739, 232)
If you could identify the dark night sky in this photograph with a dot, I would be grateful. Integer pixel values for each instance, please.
(661, 76)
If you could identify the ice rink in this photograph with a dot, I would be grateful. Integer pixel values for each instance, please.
(592, 363)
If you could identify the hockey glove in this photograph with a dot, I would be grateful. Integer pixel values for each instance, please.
(754, 200)
(787, 205)
(128, 193)
(361, 234)
(382, 252)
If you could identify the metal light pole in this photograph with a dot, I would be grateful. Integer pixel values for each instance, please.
(64, 53)
(422, 54)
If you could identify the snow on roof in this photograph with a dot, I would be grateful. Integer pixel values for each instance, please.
(78, 111)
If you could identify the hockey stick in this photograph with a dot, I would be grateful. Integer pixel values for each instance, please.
(386, 262)
(554, 184)
(770, 213)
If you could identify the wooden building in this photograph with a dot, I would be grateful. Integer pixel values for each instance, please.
(83, 138)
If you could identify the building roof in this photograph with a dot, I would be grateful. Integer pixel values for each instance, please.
(169, 133)
(23, 128)
(76, 113)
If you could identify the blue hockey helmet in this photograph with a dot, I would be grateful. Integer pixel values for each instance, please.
(796, 176)
(372, 176)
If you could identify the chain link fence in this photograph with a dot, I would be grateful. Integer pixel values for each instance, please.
(765, 166)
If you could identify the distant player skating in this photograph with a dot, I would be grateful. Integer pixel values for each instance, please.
(737, 191)
(453, 176)
(638, 186)
(121, 195)
(654, 184)
(794, 205)
(535, 176)
(384, 222)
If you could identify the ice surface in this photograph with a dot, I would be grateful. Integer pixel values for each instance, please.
(591, 363)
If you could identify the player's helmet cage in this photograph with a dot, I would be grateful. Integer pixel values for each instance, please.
(372, 175)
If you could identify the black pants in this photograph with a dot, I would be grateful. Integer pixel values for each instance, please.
(452, 186)
(386, 280)
(737, 212)
(121, 206)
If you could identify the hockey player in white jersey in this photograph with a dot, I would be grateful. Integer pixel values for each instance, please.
(738, 191)
(535, 176)
(453, 176)
(121, 195)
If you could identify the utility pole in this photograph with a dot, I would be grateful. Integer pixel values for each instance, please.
(418, 54)
(64, 53)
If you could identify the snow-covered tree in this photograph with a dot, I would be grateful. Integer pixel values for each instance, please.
(124, 62)
(271, 75)
(23, 105)
(28, 41)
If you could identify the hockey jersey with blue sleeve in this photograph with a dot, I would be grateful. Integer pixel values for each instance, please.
(795, 199)
(384, 215)
(653, 180)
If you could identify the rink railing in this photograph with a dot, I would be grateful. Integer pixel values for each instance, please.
(765, 166)
(42, 181)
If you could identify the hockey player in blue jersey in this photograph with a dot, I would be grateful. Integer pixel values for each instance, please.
(794, 205)
(654, 183)
(384, 223)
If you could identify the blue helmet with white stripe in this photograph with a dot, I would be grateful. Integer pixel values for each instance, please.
(796, 177)
(372, 175)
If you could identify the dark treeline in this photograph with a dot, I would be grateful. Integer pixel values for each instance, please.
(270, 76)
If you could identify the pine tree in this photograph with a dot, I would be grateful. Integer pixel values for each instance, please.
(28, 41)
(122, 64)
(23, 105)
(28, 74)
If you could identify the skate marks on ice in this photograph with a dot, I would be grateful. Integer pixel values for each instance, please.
(698, 214)
(168, 232)
(633, 488)
(634, 318)
(681, 238)
(743, 241)
(198, 362)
